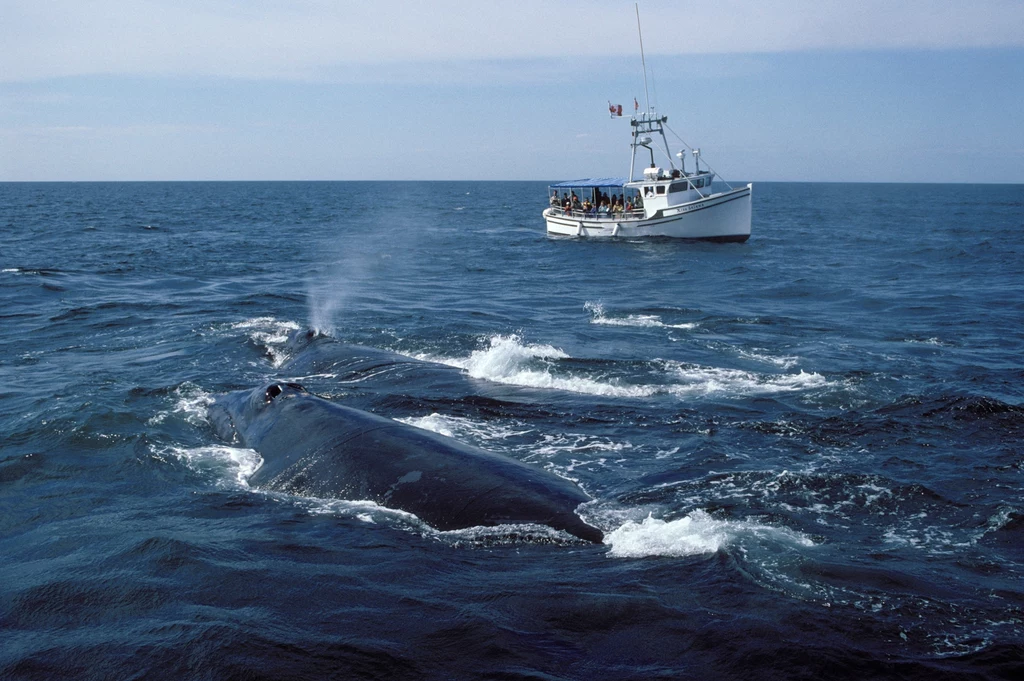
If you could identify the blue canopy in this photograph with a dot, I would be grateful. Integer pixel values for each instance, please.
(592, 182)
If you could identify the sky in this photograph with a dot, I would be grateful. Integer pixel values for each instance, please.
(770, 90)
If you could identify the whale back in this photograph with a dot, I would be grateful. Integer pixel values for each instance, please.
(314, 447)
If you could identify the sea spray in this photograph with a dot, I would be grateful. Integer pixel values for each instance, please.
(353, 268)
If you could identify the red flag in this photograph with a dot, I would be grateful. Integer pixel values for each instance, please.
(618, 110)
(636, 105)
(611, 108)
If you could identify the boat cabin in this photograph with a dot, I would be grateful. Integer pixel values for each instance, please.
(662, 189)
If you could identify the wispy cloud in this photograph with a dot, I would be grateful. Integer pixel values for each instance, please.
(336, 40)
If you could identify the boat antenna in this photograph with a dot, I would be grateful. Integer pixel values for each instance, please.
(643, 61)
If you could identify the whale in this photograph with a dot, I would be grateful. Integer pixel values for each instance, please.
(315, 447)
(313, 352)
(374, 375)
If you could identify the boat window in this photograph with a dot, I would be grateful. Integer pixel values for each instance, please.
(698, 183)
(679, 187)
(661, 189)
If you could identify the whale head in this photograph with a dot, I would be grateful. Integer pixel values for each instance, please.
(300, 339)
(234, 415)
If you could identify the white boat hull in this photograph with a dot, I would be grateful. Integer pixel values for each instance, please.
(719, 217)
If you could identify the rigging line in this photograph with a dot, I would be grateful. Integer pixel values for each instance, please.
(642, 59)
(654, 87)
(685, 144)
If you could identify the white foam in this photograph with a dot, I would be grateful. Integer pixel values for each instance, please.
(511, 533)
(555, 444)
(232, 466)
(269, 332)
(701, 380)
(598, 316)
(926, 341)
(508, 360)
(265, 323)
(191, 402)
(696, 534)
(505, 356)
(462, 428)
(785, 361)
(576, 384)
(373, 513)
(363, 510)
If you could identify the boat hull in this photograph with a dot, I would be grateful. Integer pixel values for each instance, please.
(720, 217)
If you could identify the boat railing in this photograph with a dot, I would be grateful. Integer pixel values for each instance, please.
(599, 216)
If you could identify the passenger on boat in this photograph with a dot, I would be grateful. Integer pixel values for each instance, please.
(554, 199)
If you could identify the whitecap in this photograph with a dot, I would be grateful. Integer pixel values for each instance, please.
(695, 534)
(508, 360)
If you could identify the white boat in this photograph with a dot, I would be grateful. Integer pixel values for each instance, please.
(665, 202)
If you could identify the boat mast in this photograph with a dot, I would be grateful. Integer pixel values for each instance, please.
(645, 122)
(647, 97)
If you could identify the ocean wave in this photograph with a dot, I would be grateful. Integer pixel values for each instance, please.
(509, 360)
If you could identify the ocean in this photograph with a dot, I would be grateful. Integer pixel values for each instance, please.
(806, 451)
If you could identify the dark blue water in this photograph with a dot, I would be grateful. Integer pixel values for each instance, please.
(806, 451)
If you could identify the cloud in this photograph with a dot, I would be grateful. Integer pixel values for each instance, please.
(337, 40)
